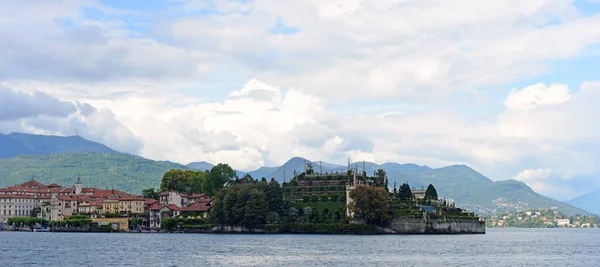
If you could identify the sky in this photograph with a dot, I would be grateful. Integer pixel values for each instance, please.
(510, 88)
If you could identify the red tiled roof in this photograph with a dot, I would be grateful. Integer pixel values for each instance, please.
(155, 206)
(174, 207)
(149, 202)
(164, 194)
(54, 185)
(66, 198)
(21, 196)
(131, 198)
(18, 189)
(197, 207)
(33, 184)
(198, 195)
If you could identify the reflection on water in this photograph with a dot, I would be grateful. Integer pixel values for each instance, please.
(499, 247)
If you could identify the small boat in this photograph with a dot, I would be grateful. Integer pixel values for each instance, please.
(41, 229)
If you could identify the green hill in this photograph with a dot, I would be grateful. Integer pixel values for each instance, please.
(17, 144)
(103, 170)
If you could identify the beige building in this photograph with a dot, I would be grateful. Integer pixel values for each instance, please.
(131, 204)
(174, 198)
(110, 206)
(54, 201)
(18, 205)
(418, 193)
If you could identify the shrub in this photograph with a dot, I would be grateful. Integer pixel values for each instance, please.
(334, 198)
(305, 198)
(342, 197)
(324, 198)
(314, 198)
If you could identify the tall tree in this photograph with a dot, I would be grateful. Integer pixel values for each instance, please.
(221, 176)
(431, 193)
(370, 204)
(274, 196)
(405, 193)
(174, 180)
(197, 183)
(240, 204)
(381, 178)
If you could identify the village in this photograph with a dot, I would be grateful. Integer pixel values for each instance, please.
(108, 207)
(542, 218)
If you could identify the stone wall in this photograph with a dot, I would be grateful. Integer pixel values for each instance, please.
(436, 226)
(235, 229)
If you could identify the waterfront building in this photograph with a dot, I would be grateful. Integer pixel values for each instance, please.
(131, 204)
(51, 202)
(174, 198)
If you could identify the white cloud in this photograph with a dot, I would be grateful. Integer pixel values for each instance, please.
(41, 113)
(537, 95)
(377, 80)
(533, 175)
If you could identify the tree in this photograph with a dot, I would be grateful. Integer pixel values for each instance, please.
(240, 204)
(309, 169)
(405, 194)
(381, 178)
(150, 193)
(175, 180)
(370, 204)
(431, 193)
(274, 196)
(197, 183)
(247, 179)
(219, 177)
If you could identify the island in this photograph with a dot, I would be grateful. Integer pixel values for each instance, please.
(217, 201)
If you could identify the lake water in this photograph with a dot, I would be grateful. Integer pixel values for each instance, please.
(499, 247)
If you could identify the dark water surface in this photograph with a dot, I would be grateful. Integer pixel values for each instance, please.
(499, 247)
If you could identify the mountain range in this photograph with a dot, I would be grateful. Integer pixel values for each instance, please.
(459, 183)
(16, 144)
(589, 202)
(53, 159)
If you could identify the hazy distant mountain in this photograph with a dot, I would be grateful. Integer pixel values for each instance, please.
(589, 202)
(16, 144)
(263, 172)
(206, 166)
(202, 166)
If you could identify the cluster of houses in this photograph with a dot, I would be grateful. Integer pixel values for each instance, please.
(54, 202)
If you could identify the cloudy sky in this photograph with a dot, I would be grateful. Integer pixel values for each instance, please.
(510, 88)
